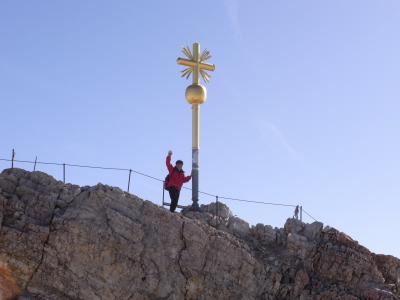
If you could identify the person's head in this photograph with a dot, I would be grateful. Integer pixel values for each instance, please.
(179, 164)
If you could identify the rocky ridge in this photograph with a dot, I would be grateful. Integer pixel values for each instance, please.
(62, 241)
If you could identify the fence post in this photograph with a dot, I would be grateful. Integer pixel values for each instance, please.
(301, 213)
(163, 193)
(216, 206)
(129, 180)
(64, 172)
(34, 166)
(12, 158)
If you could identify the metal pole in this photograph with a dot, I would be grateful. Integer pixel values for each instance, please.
(64, 172)
(301, 213)
(195, 95)
(216, 206)
(163, 193)
(195, 180)
(195, 156)
(12, 159)
(34, 166)
(195, 131)
(129, 179)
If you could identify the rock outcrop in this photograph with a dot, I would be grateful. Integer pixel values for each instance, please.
(62, 241)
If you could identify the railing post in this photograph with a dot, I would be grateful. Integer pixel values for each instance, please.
(129, 179)
(12, 158)
(216, 206)
(163, 193)
(64, 172)
(34, 166)
(301, 213)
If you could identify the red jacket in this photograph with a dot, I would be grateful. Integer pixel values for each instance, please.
(176, 178)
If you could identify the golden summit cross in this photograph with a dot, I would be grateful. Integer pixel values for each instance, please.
(196, 63)
(195, 94)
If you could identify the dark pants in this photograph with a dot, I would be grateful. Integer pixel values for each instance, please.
(174, 195)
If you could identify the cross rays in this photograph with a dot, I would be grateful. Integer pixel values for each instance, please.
(196, 62)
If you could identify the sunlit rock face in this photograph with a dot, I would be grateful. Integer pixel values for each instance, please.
(62, 241)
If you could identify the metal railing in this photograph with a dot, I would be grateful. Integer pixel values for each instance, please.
(298, 209)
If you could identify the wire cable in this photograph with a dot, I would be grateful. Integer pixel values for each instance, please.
(154, 178)
(309, 215)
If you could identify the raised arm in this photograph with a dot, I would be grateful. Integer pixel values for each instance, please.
(168, 163)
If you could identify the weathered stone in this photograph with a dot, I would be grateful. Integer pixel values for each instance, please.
(389, 266)
(221, 210)
(294, 226)
(298, 245)
(238, 227)
(61, 241)
(301, 280)
(264, 232)
(313, 231)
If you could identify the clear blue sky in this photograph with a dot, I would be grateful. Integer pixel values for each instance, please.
(303, 106)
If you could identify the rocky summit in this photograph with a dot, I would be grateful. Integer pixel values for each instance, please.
(62, 241)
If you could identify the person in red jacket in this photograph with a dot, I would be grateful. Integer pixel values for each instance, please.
(176, 179)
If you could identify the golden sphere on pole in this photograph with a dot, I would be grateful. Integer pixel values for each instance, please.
(196, 94)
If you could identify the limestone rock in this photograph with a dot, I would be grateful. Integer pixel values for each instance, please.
(313, 231)
(238, 227)
(389, 266)
(264, 232)
(61, 241)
